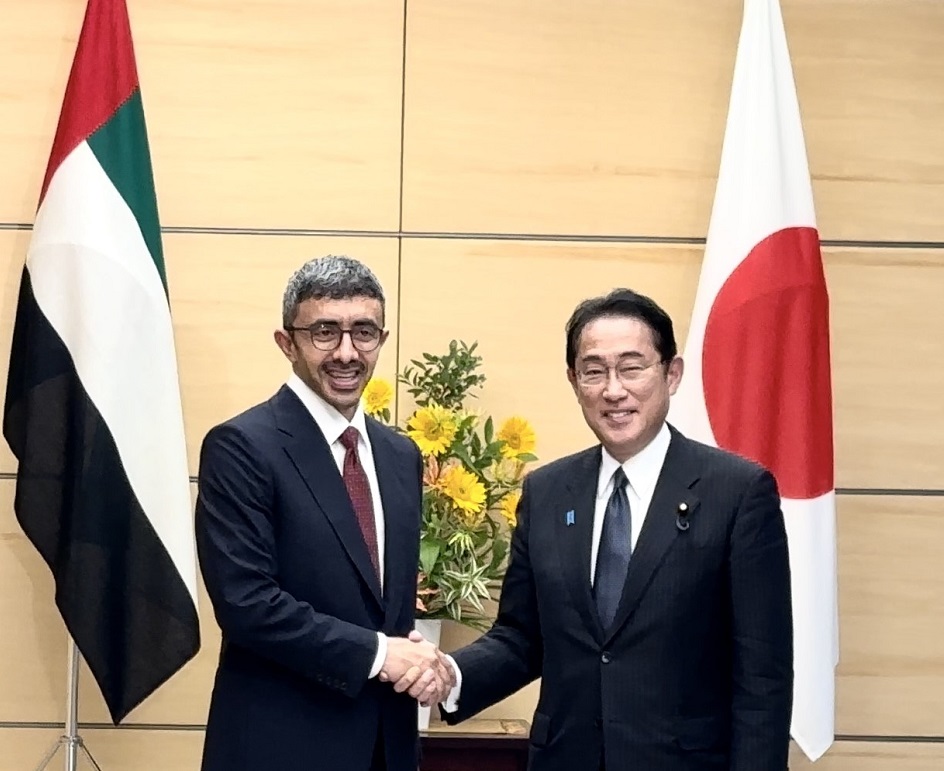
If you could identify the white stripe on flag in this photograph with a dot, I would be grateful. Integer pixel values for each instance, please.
(95, 281)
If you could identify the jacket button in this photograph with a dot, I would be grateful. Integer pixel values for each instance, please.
(605, 658)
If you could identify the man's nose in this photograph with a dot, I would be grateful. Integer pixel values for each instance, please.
(614, 389)
(345, 352)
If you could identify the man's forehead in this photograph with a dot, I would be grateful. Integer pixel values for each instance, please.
(616, 338)
(348, 309)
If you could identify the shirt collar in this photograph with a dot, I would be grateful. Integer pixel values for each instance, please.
(331, 422)
(642, 470)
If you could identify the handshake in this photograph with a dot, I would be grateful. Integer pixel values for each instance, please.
(419, 667)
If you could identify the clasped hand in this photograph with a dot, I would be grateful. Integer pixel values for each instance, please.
(419, 667)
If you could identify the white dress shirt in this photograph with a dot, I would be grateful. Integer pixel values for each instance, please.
(332, 424)
(642, 473)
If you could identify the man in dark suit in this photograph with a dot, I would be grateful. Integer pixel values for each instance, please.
(648, 583)
(307, 527)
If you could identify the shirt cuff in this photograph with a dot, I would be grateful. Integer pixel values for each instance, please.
(451, 704)
(380, 657)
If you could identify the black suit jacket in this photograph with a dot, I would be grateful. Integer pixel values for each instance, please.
(695, 672)
(297, 599)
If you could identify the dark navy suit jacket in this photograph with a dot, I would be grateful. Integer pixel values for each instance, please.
(297, 599)
(696, 672)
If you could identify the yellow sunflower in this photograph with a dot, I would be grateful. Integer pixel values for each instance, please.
(518, 436)
(432, 428)
(508, 506)
(463, 488)
(377, 397)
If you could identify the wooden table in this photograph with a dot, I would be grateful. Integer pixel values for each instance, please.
(476, 745)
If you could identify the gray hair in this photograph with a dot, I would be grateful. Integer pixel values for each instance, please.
(335, 277)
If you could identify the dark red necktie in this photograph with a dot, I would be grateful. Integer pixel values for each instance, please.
(358, 488)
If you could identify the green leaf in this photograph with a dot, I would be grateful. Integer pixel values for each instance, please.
(489, 431)
(494, 448)
(499, 550)
(527, 457)
(429, 553)
(459, 451)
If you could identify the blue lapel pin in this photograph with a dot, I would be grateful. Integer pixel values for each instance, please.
(569, 517)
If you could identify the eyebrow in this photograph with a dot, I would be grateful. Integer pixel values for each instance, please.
(628, 355)
(354, 323)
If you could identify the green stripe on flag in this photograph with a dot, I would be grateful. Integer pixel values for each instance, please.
(121, 147)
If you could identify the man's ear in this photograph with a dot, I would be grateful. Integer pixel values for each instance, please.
(674, 374)
(286, 345)
(572, 379)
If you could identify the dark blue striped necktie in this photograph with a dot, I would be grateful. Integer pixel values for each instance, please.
(614, 551)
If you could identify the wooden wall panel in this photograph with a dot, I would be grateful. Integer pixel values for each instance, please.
(891, 606)
(36, 50)
(143, 750)
(33, 652)
(578, 116)
(869, 81)
(887, 349)
(22, 748)
(449, 290)
(570, 116)
(277, 114)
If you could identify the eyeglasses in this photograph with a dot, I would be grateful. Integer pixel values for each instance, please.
(327, 335)
(628, 373)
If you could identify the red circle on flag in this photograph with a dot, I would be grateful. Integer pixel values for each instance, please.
(766, 363)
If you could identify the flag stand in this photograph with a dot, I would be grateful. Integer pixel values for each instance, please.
(71, 739)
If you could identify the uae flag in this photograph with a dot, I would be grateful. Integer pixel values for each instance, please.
(757, 378)
(92, 407)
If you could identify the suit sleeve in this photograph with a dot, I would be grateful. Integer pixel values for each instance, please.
(762, 663)
(509, 655)
(235, 536)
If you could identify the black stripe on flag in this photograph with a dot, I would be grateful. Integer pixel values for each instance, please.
(119, 592)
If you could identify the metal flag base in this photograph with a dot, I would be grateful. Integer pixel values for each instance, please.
(71, 740)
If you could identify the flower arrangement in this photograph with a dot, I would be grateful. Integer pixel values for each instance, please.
(471, 482)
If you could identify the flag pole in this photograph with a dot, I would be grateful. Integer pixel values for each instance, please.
(71, 739)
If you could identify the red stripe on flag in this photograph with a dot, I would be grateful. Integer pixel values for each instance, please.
(766, 363)
(103, 76)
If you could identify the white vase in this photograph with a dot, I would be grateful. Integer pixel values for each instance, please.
(431, 629)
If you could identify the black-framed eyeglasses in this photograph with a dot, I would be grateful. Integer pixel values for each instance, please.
(627, 372)
(327, 335)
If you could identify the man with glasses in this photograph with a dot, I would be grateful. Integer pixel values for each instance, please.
(649, 583)
(307, 527)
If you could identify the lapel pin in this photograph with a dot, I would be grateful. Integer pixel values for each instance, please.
(681, 520)
(569, 517)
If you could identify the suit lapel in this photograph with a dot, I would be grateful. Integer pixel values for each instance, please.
(659, 530)
(308, 450)
(397, 531)
(575, 541)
